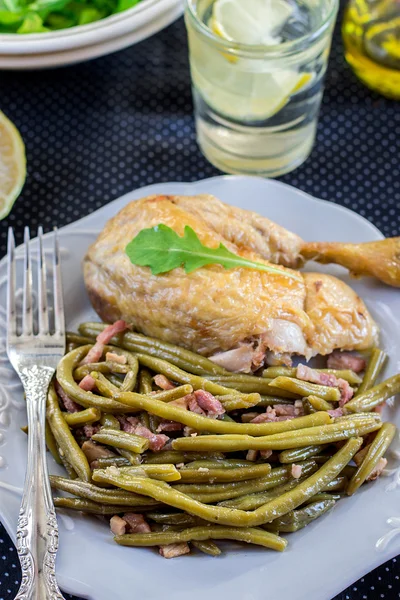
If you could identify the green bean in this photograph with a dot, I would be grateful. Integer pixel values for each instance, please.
(308, 407)
(72, 474)
(234, 402)
(297, 519)
(135, 342)
(121, 439)
(110, 461)
(65, 370)
(358, 417)
(319, 403)
(174, 457)
(305, 388)
(108, 420)
(79, 340)
(200, 423)
(66, 442)
(181, 519)
(325, 434)
(87, 506)
(375, 396)
(90, 415)
(273, 509)
(102, 496)
(336, 485)
(375, 365)
(129, 382)
(114, 379)
(207, 547)
(174, 394)
(255, 500)
(253, 384)
(377, 449)
(145, 382)
(175, 374)
(159, 472)
(50, 442)
(104, 385)
(229, 463)
(347, 374)
(104, 367)
(209, 494)
(272, 400)
(293, 456)
(144, 419)
(215, 474)
(250, 535)
(325, 496)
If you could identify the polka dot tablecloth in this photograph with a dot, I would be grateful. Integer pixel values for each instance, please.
(95, 131)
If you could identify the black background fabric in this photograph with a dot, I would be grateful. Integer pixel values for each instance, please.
(97, 130)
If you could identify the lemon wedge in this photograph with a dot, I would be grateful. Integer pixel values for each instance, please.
(252, 22)
(12, 165)
(249, 96)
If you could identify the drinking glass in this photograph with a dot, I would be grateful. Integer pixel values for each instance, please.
(256, 106)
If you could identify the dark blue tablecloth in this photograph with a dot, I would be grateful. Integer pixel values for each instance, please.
(95, 131)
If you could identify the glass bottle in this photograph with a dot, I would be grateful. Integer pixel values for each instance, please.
(371, 35)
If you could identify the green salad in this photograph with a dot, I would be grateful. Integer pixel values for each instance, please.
(38, 16)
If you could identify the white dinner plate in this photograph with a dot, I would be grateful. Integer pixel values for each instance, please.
(322, 559)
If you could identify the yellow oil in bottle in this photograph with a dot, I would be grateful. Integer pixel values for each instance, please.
(371, 35)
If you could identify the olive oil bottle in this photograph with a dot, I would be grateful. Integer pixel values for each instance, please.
(371, 35)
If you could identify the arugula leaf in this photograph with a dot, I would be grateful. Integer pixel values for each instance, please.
(161, 249)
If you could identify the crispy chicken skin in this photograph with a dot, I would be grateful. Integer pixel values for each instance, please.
(213, 310)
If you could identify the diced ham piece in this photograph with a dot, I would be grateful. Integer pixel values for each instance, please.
(116, 358)
(111, 330)
(346, 360)
(90, 430)
(265, 454)
(268, 416)
(157, 440)
(313, 376)
(95, 353)
(174, 550)
(209, 403)
(336, 412)
(166, 425)
(382, 462)
(252, 455)
(132, 425)
(285, 410)
(163, 382)
(128, 424)
(87, 383)
(194, 406)
(118, 525)
(296, 471)
(202, 403)
(346, 391)
(136, 523)
(378, 409)
(69, 404)
(94, 451)
(238, 360)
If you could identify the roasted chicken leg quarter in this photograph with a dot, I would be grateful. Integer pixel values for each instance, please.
(238, 316)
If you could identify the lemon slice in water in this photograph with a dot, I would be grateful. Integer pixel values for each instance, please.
(12, 165)
(252, 22)
(245, 89)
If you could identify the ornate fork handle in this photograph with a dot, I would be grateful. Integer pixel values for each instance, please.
(37, 531)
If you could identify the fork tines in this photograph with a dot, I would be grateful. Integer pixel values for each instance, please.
(44, 326)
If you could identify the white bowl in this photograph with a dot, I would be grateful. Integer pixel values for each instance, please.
(76, 44)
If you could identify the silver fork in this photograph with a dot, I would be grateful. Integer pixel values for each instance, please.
(34, 356)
